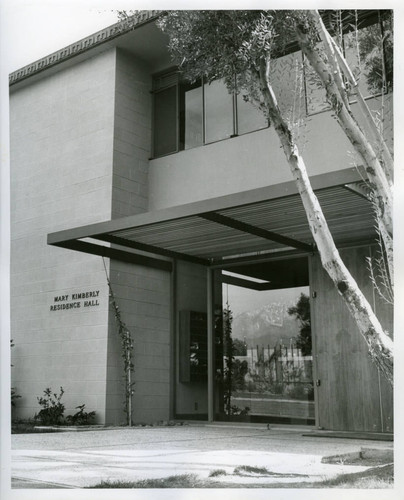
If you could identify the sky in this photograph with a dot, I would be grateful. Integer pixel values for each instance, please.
(32, 30)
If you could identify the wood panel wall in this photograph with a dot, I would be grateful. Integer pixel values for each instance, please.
(351, 395)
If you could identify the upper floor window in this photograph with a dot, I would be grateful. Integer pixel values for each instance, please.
(368, 48)
(189, 115)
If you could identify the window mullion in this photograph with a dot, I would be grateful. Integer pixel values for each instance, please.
(203, 112)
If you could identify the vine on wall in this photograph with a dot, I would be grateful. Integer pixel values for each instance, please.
(127, 345)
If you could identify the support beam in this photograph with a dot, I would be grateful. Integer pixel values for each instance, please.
(256, 231)
(150, 248)
(252, 285)
(113, 253)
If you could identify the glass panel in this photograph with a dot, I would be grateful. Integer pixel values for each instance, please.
(364, 54)
(249, 118)
(316, 99)
(165, 121)
(267, 356)
(288, 85)
(218, 112)
(191, 116)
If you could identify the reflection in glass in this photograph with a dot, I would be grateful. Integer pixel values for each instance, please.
(267, 356)
(218, 112)
(191, 116)
(165, 121)
(249, 118)
(316, 99)
(287, 83)
(365, 56)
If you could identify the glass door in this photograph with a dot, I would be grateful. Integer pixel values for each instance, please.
(267, 363)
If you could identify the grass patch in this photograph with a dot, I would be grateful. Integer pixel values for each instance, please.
(375, 478)
(180, 481)
(218, 472)
(242, 470)
(27, 427)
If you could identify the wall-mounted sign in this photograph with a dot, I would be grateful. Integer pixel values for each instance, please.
(75, 301)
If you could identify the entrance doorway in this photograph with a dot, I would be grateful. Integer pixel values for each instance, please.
(267, 360)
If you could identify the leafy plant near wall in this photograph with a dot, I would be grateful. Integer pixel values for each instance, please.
(126, 352)
(14, 395)
(52, 409)
(81, 417)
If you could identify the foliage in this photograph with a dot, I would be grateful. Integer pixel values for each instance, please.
(375, 477)
(239, 47)
(304, 391)
(52, 409)
(22, 426)
(239, 348)
(240, 370)
(14, 395)
(225, 44)
(301, 311)
(237, 411)
(234, 370)
(229, 358)
(127, 346)
(81, 417)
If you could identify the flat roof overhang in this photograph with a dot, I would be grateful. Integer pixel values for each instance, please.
(222, 232)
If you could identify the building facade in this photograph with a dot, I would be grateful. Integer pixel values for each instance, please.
(123, 171)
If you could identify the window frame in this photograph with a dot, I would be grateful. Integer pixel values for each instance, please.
(176, 82)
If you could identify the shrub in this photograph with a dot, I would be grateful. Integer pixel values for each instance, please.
(52, 409)
(81, 417)
(14, 396)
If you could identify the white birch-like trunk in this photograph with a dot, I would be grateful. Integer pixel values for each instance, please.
(341, 65)
(380, 345)
(379, 181)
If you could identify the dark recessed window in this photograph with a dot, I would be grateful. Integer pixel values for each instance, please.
(165, 121)
(189, 115)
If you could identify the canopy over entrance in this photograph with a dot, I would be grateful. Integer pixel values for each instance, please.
(220, 232)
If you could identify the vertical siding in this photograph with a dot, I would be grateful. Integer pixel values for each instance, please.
(348, 397)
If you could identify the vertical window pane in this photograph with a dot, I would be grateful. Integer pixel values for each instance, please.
(165, 121)
(218, 112)
(316, 99)
(288, 85)
(191, 116)
(249, 118)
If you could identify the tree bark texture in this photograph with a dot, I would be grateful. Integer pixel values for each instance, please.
(382, 193)
(339, 62)
(380, 345)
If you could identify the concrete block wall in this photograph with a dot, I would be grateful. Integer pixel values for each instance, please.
(143, 294)
(132, 136)
(143, 297)
(61, 177)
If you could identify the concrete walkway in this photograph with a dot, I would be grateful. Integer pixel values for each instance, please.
(84, 459)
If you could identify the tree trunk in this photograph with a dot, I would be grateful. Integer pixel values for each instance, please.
(382, 194)
(334, 52)
(380, 345)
